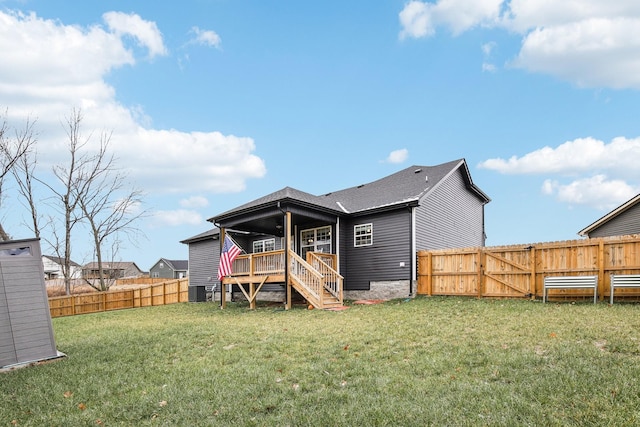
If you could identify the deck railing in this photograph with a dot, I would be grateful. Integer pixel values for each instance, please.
(259, 264)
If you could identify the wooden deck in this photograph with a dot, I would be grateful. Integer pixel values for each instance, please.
(314, 278)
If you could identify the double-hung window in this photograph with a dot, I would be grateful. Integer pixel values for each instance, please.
(363, 235)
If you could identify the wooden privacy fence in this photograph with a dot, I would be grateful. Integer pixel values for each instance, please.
(518, 271)
(169, 292)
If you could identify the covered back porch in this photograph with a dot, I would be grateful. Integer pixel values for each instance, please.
(305, 259)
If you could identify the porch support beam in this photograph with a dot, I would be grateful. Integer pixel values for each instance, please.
(253, 291)
(287, 259)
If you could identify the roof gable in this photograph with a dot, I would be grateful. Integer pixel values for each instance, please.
(610, 216)
(177, 264)
(403, 187)
(60, 261)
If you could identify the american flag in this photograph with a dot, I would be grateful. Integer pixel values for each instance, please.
(229, 252)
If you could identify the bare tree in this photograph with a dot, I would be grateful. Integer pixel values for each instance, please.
(109, 206)
(24, 174)
(12, 150)
(66, 193)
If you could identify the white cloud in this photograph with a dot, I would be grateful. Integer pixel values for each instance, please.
(194, 202)
(145, 32)
(175, 218)
(601, 174)
(591, 43)
(596, 191)
(398, 156)
(592, 53)
(207, 37)
(49, 67)
(487, 50)
(581, 155)
(420, 19)
(416, 20)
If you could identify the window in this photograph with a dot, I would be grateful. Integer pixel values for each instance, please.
(264, 245)
(315, 240)
(25, 251)
(363, 235)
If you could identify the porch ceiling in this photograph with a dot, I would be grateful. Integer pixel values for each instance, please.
(271, 222)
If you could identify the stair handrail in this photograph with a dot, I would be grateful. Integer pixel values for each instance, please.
(310, 279)
(332, 279)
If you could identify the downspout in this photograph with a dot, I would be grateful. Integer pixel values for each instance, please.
(412, 263)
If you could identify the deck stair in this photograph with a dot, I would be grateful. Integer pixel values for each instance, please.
(316, 281)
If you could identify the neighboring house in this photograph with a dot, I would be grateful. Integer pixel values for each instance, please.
(369, 234)
(623, 220)
(53, 268)
(111, 270)
(169, 269)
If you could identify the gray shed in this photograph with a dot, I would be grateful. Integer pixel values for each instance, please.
(26, 332)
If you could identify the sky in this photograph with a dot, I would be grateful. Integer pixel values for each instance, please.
(214, 103)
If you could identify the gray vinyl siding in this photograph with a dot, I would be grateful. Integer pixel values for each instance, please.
(627, 222)
(203, 262)
(450, 217)
(26, 332)
(164, 272)
(381, 260)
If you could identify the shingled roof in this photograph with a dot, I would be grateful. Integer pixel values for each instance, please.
(407, 186)
(177, 264)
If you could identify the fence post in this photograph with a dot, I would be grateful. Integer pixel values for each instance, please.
(480, 272)
(429, 274)
(533, 284)
(601, 269)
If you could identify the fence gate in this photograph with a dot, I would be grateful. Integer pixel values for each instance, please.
(508, 273)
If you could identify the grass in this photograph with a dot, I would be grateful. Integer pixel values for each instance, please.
(428, 361)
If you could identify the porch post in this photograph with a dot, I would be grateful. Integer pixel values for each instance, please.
(287, 261)
(223, 290)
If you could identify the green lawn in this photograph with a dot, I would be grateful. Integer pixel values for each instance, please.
(428, 361)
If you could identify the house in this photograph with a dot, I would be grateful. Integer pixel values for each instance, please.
(111, 270)
(623, 220)
(204, 251)
(26, 331)
(169, 269)
(53, 268)
(360, 242)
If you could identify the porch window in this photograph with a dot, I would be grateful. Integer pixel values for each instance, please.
(265, 245)
(315, 240)
(363, 235)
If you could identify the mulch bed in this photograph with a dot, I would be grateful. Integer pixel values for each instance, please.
(369, 301)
